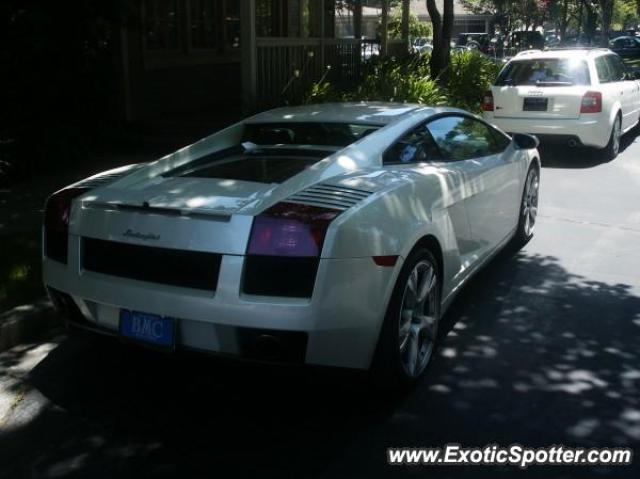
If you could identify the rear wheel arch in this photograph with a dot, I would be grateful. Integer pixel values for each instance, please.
(536, 163)
(617, 113)
(431, 243)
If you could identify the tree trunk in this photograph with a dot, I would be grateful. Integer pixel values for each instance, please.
(384, 28)
(405, 23)
(606, 7)
(563, 19)
(442, 28)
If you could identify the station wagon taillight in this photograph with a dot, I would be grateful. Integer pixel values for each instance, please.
(487, 101)
(56, 222)
(591, 102)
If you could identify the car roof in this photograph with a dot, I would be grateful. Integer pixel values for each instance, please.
(561, 53)
(371, 113)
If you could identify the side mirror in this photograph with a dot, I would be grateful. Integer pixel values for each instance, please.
(523, 141)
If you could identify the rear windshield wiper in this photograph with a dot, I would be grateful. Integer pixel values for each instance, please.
(553, 83)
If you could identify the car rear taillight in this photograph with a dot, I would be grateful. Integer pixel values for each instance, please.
(591, 102)
(290, 229)
(487, 101)
(284, 250)
(56, 222)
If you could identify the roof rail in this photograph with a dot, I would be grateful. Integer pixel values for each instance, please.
(524, 53)
(577, 48)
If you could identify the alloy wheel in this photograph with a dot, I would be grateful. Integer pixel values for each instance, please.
(616, 137)
(530, 202)
(418, 322)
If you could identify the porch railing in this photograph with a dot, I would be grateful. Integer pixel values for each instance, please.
(285, 67)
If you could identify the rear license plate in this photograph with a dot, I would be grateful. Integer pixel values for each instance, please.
(535, 104)
(147, 328)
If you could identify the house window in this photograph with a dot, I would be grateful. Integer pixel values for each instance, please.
(203, 24)
(288, 18)
(161, 24)
(266, 18)
(232, 24)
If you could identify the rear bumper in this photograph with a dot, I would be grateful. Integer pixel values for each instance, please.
(337, 326)
(593, 132)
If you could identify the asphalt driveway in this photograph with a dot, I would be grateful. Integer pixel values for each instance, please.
(542, 348)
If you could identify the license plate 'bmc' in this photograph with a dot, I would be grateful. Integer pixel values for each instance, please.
(534, 104)
(148, 328)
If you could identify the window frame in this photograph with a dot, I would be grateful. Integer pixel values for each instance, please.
(613, 58)
(497, 134)
(603, 59)
(186, 54)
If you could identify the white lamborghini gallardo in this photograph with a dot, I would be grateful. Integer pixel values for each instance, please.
(331, 234)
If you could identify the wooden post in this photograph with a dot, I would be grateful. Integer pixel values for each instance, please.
(357, 19)
(323, 33)
(249, 55)
(384, 27)
(405, 23)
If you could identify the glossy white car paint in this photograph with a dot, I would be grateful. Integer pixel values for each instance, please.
(470, 208)
(564, 117)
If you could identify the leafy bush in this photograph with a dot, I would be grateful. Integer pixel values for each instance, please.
(385, 79)
(408, 80)
(471, 75)
(400, 80)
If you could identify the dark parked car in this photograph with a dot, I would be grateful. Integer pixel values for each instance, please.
(578, 41)
(626, 47)
(526, 40)
(474, 41)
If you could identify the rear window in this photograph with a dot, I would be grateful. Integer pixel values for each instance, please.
(260, 165)
(322, 134)
(545, 72)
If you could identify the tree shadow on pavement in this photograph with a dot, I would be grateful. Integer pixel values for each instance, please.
(530, 353)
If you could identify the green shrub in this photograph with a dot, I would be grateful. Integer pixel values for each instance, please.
(471, 74)
(400, 80)
(408, 80)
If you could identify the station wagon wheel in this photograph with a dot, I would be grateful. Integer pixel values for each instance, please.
(613, 147)
(408, 335)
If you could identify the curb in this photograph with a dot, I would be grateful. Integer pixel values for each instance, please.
(27, 323)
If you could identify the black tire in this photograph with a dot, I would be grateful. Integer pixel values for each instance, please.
(388, 369)
(612, 149)
(525, 231)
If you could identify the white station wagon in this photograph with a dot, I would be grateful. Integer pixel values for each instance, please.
(577, 97)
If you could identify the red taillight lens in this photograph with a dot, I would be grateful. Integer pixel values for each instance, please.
(58, 208)
(290, 229)
(591, 102)
(56, 222)
(487, 101)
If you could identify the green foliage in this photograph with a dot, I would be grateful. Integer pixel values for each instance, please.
(398, 79)
(470, 77)
(408, 80)
(20, 271)
(417, 28)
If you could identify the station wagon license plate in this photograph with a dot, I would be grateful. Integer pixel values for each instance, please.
(147, 328)
(535, 104)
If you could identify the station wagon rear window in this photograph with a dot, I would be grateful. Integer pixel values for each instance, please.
(307, 133)
(545, 72)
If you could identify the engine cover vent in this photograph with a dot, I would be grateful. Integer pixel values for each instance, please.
(330, 196)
